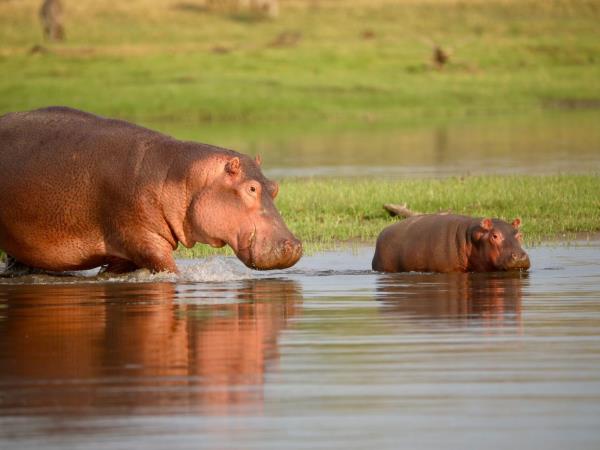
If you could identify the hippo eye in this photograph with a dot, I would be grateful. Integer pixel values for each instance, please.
(252, 189)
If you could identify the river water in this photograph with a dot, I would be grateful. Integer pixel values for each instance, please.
(324, 355)
(567, 142)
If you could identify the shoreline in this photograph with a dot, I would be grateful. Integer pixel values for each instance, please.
(563, 240)
(577, 239)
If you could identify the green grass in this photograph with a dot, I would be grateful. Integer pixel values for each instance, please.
(172, 62)
(325, 213)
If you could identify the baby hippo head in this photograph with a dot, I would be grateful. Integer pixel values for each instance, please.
(497, 246)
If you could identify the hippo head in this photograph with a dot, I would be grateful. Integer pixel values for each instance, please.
(497, 246)
(237, 209)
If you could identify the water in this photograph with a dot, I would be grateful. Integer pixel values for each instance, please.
(325, 355)
(546, 144)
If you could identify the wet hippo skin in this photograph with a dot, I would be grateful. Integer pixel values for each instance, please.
(79, 191)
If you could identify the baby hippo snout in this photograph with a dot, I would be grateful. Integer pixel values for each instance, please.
(519, 260)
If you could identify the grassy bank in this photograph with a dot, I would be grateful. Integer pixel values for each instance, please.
(321, 63)
(325, 213)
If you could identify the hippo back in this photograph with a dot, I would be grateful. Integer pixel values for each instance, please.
(424, 243)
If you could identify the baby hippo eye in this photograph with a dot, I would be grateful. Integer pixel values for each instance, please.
(252, 189)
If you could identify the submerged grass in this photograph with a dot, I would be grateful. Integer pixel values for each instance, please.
(325, 213)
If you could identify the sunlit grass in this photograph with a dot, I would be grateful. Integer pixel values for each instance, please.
(327, 213)
(325, 62)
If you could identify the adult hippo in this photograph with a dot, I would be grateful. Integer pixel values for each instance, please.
(79, 191)
(450, 243)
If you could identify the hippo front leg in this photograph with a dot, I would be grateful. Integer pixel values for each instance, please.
(158, 263)
(118, 266)
(155, 256)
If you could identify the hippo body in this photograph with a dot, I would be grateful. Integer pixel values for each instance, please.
(80, 191)
(449, 243)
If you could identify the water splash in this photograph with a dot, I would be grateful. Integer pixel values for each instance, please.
(213, 269)
(216, 268)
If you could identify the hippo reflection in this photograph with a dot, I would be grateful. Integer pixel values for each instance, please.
(492, 298)
(126, 346)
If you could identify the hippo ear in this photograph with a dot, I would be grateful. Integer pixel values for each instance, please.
(486, 224)
(516, 223)
(233, 166)
(258, 160)
(480, 230)
(274, 189)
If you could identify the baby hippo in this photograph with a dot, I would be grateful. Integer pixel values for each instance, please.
(450, 243)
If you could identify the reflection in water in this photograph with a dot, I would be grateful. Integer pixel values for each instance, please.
(440, 146)
(124, 347)
(542, 145)
(383, 361)
(484, 299)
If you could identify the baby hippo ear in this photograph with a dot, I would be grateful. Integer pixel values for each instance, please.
(516, 223)
(486, 224)
(232, 167)
(258, 160)
(481, 229)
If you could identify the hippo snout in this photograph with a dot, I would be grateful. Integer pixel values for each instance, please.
(290, 251)
(281, 256)
(292, 247)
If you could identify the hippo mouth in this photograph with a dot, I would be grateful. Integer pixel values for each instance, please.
(245, 252)
(518, 268)
(518, 262)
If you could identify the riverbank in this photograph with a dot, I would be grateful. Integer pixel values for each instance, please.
(329, 213)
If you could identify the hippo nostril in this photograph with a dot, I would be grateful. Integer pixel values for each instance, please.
(290, 245)
(291, 248)
(520, 260)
